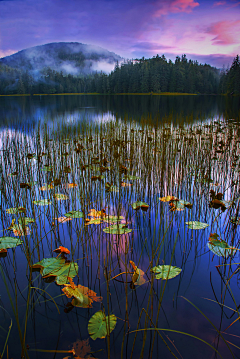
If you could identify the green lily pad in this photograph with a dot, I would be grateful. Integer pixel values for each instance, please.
(15, 210)
(58, 268)
(74, 214)
(166, 271)
(139, 204)
(25, 220)
(98, 325)
(9, 242)
(197, 225)
(60, 196)
(117, 229)
(112, 219)
(42, 202)
(220, 248)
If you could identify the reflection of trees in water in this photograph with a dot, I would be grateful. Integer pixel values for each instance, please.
(22, 109)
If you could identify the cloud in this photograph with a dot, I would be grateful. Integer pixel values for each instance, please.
(226, 32)
(175, 6)
(219, 3)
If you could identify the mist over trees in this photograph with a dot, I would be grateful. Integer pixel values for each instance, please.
(133, 76)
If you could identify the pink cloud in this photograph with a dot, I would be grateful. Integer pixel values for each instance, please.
(219, 3)
(227, 32)
(175, 6)
(183, 5)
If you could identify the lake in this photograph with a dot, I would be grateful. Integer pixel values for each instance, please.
(139, 195)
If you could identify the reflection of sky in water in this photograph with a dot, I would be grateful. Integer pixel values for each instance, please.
(199, 278)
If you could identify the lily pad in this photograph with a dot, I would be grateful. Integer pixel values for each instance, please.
(74, 214)
(220, 248)
(25, 220)
(131, 178)
(136, 205)
(60, 196)
(100, 325)
(58, 268)
(9, 242)
(82, 296)
(42, 202)
(117, 229)
(197, 225)
(15, 210)
(166, 272)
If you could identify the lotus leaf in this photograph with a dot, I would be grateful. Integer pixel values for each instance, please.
(166, 272)
(197, 225)
(117, 229)
(57, 267)
(98, 325)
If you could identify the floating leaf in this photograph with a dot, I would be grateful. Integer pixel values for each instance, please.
(179, 205)
(74, 214)
(57, 268)
(83, 296)
(93, 221)
(25, 220)
(131, 178)
(112, 219)
(197, 225)
(42, 202)
(20, 230)
(60, 196)
(117, 229)
(9, 242)
(82, 349)
(61, 249)
(168, 198)
(45, 188)
(15, 210)
(138, 274)
(97, 214)
(136, 205)
(71, 185)
(165, 271)
(98, 325)
(220, 247)
(124, 184)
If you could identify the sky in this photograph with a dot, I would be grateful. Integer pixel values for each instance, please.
(205, 30)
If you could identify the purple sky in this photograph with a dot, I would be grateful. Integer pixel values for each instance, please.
(204, 30)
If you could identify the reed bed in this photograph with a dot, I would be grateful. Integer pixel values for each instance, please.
(101, 170)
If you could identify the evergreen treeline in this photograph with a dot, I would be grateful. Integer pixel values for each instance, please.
(134, 76)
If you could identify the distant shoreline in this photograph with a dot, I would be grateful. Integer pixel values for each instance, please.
(119, 94)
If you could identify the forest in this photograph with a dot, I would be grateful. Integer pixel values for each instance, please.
(156, 75)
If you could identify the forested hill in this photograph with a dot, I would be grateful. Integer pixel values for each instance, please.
(155, 75)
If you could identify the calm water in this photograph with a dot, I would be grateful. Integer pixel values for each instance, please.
(185, 248)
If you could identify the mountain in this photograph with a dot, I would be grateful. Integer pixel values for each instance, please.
(69, 57)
